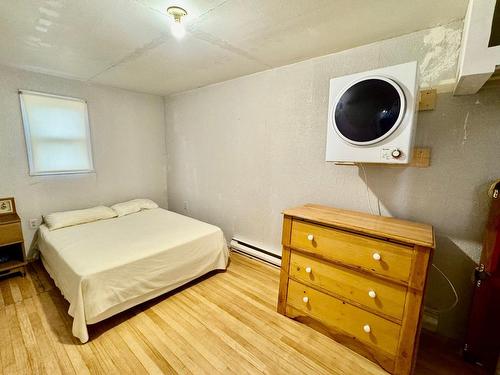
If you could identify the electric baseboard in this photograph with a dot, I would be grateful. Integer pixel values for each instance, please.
(255, 252)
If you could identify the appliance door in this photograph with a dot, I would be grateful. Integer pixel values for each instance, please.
(369, 110)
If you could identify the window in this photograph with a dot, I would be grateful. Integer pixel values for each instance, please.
(57, 134)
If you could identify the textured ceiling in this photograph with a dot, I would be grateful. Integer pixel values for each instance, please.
(127, 43)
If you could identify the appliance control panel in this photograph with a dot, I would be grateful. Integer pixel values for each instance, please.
(392, 153)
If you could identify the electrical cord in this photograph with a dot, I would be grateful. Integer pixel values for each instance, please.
(436, 311)
(368, 192)
(454, 304)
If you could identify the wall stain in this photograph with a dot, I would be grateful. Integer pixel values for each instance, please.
(442, 48)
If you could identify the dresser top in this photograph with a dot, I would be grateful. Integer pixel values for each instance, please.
(378, 226)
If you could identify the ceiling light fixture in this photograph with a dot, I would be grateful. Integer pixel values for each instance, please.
(177, 27)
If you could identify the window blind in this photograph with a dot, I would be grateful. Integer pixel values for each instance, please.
(57, 133)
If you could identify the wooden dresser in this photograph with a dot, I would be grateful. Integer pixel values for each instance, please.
(358, 278)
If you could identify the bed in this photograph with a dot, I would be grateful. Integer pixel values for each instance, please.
(107, 266)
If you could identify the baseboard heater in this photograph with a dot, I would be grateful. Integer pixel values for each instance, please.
(255, 252)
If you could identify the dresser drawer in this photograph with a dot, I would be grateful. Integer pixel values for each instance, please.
(338, 315)
(10, 233)
(382, 257)
(379, 295)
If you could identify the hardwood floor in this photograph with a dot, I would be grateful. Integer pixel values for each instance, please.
(225, 323)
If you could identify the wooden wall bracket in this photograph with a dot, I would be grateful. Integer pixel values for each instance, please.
(427, 100)
(421, 157)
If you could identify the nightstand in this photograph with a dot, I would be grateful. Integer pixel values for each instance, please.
(12, 258)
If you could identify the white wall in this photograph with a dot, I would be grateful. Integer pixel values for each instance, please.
(241, 151)
(128, 140)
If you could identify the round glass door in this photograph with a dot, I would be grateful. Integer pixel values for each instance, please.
(369, 110)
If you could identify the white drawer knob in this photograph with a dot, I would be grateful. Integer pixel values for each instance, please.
(372, 294)
(367, 328)
(376, 256)
(310, 237)
(308, 269)
(305, 299)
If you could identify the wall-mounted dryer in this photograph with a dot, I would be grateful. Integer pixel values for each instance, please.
(372, 116)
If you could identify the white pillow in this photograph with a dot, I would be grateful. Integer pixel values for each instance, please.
(135, 205)
(63, 219)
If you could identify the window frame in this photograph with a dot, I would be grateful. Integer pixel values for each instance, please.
(27, 135)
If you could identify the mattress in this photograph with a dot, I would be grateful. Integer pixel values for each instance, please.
(107, 266)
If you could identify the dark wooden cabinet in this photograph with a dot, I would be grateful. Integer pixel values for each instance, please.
(482, 343)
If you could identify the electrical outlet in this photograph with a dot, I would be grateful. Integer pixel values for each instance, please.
(35, 222)
(185, 205)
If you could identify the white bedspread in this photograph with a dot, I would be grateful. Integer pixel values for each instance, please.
(107, 266)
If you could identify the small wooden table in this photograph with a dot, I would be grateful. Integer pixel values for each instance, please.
(11, 244)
